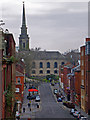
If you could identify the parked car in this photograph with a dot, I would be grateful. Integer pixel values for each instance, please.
(37, 98)
(55, 91)
(72, 111)
(79, 116)
(76, 114)
(59, 99)
(83, 118)
(62, 96)
(68, 104)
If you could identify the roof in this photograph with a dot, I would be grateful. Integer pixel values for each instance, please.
(19, 74)
(77, 68)
(47, 55)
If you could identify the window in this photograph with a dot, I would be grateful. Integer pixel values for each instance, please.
(41, 65)
(82, 82)
(55, 65)
(18, 80)
(33, 71)
(17, 90)
(55, 71)
(62, 63)
(41, 71)
(33, 65)
(48, 71)
(82, 53)
(23, 45)
(82, 62)
(82, 72)
(48, 64)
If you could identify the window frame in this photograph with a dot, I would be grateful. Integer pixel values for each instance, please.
(55, 64)
(41, 65)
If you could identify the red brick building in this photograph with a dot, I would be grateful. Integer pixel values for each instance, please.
(66, 71)
(72, 88)
(87, 75)
(20, 68)
(8, 75)
(77, 86)
(82, 66)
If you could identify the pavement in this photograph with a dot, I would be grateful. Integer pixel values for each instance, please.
(29, 113)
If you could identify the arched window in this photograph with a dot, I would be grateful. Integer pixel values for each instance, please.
(41, 65)
(33, 65)
(48, 71)
(48, 64)
(33, 71)
(55, 71)
(18, 80)
(41, 71)
(55, 65)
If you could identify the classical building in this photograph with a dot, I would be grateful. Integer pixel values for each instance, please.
(46, 63)
(23, 39)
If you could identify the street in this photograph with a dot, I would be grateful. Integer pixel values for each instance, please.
(49, 108)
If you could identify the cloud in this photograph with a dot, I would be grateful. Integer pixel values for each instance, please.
(51, 25)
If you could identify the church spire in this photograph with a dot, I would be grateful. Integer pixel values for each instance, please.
(23, 17)
(23, 39)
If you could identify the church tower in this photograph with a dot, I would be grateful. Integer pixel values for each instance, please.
(23, 39)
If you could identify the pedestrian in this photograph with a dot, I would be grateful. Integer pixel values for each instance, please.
(29, 104)
(23, 110)
(30, 108)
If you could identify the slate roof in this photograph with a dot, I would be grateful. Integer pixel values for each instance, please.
(48, 55)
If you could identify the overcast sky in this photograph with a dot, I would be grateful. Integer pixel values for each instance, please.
(52, 24)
